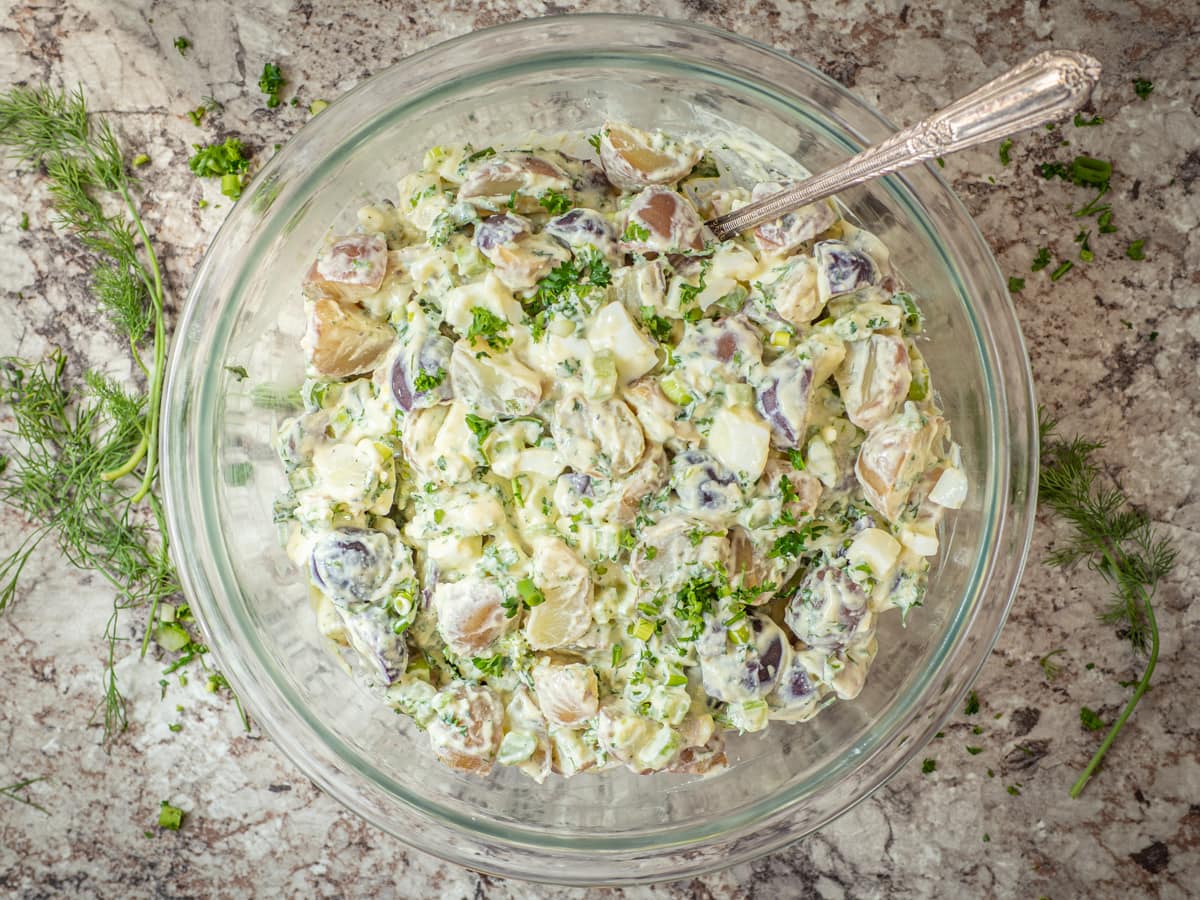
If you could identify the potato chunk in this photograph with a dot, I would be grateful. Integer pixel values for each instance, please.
(874, 379)
(633, 158)
(342, 341)
(893, 457)
(521, 179)
(470, 615)
(662, 221)
(597, 438)
(349, 267)
(567, 694)
(565, 612)
(467, 726)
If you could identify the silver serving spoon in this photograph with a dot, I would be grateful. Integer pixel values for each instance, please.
(1047, 87)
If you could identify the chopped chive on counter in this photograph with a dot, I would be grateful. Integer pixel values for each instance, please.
(1136, 250)
(1014, 790)
(1040, 260)
(929, 765)
(974, 751)
(1142, 88)
(1015, 284)
(1005, 147)
(1089, 719)
(170, 817)
(972, 706)
(182, 44)
(1063, 268)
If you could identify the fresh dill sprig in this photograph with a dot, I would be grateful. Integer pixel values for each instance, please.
(10, 791)
(83, 453)
(50, 128)
(1114, 539)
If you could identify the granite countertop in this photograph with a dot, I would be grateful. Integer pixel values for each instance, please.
(1116, 353)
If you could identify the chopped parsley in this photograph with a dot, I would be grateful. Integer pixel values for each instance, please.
(659, 327)
(1136, 250)
(972, 706)
(793, 543)
(489, 326)
(225, 161)
(24, 223)
(1082, 170)
(1014, 790)
(182, 44)
(238, 372)
(585, 271)
(796, 458)
(974, 751)
(928, 766)
(1143, 88)
(1040, 260)
(1089, 719)
(689, 292)
(594, 140)
(635, 232)
(1005, 147)
(554, 202)
(490, 665)
(694, 601)
(1015, 284)
(1081, 122)
(270, 82)
(427, 381)
(480, 427)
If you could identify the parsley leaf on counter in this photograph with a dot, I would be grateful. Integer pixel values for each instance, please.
(1136, 250)
(1041, 260)
(972, 706)
(1143, 88)
(182, 44)
(928, 766)
(226, 161)
(271, 83)
(1090, 720)
(1015, 284)
(1005, 147)
(169, 817)
(1081, 122)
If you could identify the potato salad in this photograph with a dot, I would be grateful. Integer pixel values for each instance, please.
(578, 486)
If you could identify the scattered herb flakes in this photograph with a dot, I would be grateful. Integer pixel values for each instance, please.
(427, 381)
(1014, 790)
(1005, 148)
(1136, 250)
(928, 765)
(1085, 249)
(1063, 268)
(480, 427)
(24, 223)
(140, 160)
(1040, 260)
(941, 162)
(1081, 122)
(19, 793)
(978, 729)
(1015, 284)
(594, 140)
(1090, 719)
(972, 706)
(940, 734)
(635, 232)
(238, 372)
(1143, 88)
(991, 774)
(974, 751)
(169, 817)
(317, 106)
(986, 838)
(182, 44)
(270, 82)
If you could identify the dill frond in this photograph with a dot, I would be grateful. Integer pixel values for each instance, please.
(1114, 539)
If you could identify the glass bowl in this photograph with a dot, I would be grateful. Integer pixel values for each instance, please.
(221, 475)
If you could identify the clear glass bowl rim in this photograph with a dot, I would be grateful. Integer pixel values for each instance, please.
(768, 824)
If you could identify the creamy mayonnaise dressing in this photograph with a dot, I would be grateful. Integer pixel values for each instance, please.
(585, 487)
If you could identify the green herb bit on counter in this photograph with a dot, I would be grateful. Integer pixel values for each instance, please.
(140, 160)
(1063, 268)
(972, 706)
(182, 44)
(317, 106)
(1090, 720)
(928, 766)
(169, 817)
(270, 82)
(24, 223)
(1114, 539)
(1040, 260)
(226, 161)
(1005, 147)
(1050, 668)
(11, 792)
(238, 372)
(1081, 122)
(1143, 88)
(1015, 284)
(1136, 250)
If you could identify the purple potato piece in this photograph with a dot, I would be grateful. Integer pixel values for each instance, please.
(584, 227)
(704, 486)
(792, 229)
(371, 633)
(351, 564)
(841, 269)
(751, 670)
(429, 356)
(783, 399)
(580, 484)
(496, 231)
(826, 609)
(795, 687)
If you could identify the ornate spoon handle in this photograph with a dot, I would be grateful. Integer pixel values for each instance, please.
(1051, 85)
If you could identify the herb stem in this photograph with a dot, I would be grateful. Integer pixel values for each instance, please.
(1143, 685)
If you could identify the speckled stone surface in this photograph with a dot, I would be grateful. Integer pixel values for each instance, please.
(1115, 348)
